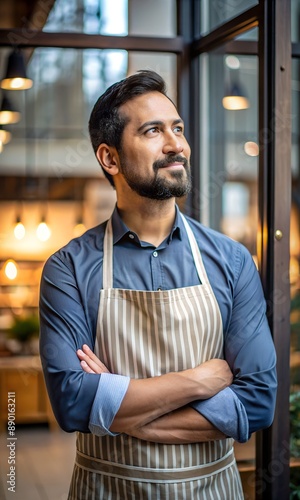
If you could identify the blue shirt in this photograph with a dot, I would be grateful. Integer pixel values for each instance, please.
(69, 301)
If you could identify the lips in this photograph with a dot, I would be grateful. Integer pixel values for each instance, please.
(173, 165)
(171, 162)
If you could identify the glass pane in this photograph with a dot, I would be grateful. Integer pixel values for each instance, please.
(295, 26)
(230, 145)
(217, 12)
(155, 18)
(89, 16)
(250, 35)
(117, 17)
(163, 63)
(51, 137)
(229, 171)
(295, 287)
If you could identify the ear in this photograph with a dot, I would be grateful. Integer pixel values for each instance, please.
(108, 158)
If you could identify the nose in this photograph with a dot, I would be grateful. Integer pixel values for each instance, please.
(173, 144)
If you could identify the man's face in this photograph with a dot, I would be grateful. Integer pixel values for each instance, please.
(154, 155)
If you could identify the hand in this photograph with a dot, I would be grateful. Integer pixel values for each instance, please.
(90, 363)
(213, 376)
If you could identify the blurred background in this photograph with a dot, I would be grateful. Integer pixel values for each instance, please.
(63, 55)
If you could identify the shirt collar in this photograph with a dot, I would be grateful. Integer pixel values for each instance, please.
(120, 230)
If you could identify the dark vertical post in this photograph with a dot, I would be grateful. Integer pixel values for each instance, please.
(272, 451)
(185, 94)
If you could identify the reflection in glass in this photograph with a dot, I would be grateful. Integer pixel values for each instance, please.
(52, 135)
(215, 12)
(295, 15)
(88, 16)
(229, 169)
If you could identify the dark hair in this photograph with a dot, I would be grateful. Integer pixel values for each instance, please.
(106, 124)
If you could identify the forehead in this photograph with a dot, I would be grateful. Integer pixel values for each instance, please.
(152, 106)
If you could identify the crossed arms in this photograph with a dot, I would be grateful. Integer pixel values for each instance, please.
(68, 315)
(155, 409)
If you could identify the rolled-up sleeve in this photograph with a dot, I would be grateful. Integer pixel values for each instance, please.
(226, 412)
(64, 329)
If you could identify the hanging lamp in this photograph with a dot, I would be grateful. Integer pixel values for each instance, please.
(8, 114)
(235, 98)
(5, 136)
(15, 76)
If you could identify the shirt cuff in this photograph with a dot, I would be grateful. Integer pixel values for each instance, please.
(226, 412)
(109, 396)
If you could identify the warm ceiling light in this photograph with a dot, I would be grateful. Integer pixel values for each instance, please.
(251, 148)
(79, 229)
(19, 229)
(5, 136)
(7, 112)
(1, 146)
(43, 231)
(15, 77)
(232, 62)
(234, 103)
(10, 269)
(235, 100)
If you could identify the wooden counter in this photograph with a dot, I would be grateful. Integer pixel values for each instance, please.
(22, 375)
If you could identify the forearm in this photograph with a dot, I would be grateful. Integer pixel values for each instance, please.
(181, 426)
(149, 399)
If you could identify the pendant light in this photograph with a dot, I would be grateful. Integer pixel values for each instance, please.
(19, 229)
(43, 231)
(235, 98)
(8, 114)
(5, 136)
(15, 77)
(10, 269)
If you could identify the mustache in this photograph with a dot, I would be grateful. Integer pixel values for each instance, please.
(168, 160)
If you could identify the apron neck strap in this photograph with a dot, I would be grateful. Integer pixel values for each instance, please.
(108, 256)
(196, 253)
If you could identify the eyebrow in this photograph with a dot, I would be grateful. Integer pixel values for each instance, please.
(153, 123)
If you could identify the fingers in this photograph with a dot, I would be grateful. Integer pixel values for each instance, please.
(86, 367)
(90, 362)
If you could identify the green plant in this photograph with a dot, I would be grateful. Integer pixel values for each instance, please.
(24, 328)
(295, 443)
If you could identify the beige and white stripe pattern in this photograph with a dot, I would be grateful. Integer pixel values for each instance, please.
(144, 334)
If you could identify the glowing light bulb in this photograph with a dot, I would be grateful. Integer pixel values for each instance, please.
(43, 232)
(79, 229)
(19, 231)
(5, 136)
(251, 148)
(11, 270)
(235, 102)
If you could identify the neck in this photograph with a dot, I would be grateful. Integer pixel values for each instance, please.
(151, 220)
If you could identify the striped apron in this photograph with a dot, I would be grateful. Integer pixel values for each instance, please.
(144, 334)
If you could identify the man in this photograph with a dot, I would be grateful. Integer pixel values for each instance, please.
(154, 339)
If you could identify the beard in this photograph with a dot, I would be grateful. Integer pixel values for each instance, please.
(159, 188)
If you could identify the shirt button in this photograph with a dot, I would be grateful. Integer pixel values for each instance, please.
(155, 254)
(131, 236)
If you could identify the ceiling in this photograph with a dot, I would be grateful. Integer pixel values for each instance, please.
(30, 14)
